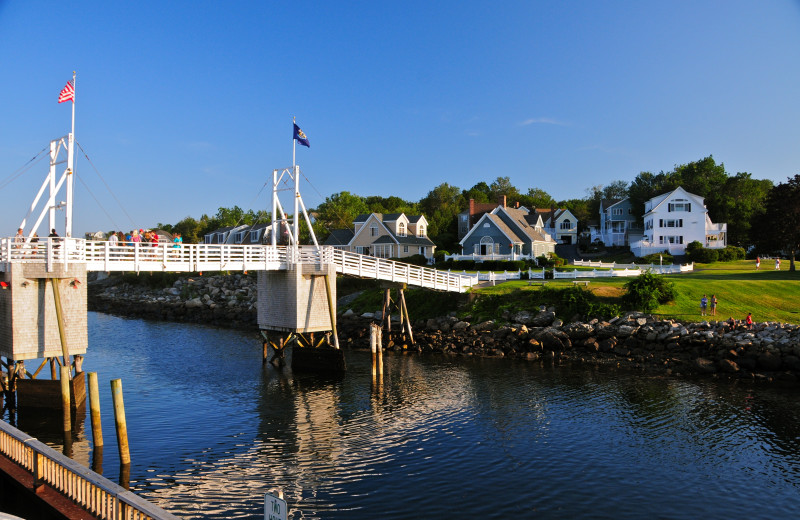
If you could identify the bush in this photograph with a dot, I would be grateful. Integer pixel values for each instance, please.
(413, 259)
(551, 260)
(439, 255)
(707, 256)
(658, 258)
(647, 291)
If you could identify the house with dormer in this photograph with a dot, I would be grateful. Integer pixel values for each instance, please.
(508, 233)
(559, 223)
(393, 235)
(675, 219)
(618, 225)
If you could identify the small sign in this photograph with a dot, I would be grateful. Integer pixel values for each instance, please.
(274, 508)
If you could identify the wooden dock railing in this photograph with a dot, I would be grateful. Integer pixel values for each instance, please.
(95, 493)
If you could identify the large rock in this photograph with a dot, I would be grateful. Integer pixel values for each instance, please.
(543, 319)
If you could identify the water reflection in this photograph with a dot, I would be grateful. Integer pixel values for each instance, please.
(211, 430)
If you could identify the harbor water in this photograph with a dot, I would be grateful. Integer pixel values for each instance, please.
(211, 430)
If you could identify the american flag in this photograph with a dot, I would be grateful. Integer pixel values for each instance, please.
(67, 93)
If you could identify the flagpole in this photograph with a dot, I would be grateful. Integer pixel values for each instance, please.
(294, 143)
(70, 166)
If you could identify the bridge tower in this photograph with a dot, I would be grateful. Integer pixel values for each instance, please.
(299, 302)
(44, 296)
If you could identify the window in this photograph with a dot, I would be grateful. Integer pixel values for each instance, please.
(616, 211)
(238, 237)
(405, 249)
(362, 250)
(648, 224)
(255, 235)
(422, 250)
(383, 251)
(670, 239)
(670, 223)
(401, 229)
(421, 231)
(566, 224)
(618, 227)
(373, 230)
(679, 205)
(630, 211)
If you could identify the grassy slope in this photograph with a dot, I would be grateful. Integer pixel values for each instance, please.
(770, 295)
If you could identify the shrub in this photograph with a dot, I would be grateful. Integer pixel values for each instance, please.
(707, 256)
(647, 291)
(439, 255)
(657, 258)
(413, 259)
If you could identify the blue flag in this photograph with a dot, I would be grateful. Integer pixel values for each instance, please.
(301, 137)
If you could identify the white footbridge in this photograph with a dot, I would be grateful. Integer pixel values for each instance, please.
(190, 258)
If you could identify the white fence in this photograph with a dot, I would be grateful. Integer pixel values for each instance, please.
(143, 257)
(624, 272)
(483, 258)
(660, 269)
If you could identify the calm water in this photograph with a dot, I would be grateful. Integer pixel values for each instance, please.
(211, 430)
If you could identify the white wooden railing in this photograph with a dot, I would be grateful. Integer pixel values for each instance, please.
(95, 493)
(491, 256)
(143, 257)
(624, 272)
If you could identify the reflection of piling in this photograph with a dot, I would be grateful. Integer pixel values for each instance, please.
(119, 420)
(94, 407)
(375, 338)
(125, 476)
(65, 399)
(97, 460)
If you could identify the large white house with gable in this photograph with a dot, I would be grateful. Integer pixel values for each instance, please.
(674, 220)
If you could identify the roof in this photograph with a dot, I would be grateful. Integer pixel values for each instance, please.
(339, 237)
(519, 218)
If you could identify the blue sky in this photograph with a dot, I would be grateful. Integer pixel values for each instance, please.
(184, 107)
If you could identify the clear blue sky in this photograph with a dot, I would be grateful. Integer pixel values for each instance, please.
(184, 107)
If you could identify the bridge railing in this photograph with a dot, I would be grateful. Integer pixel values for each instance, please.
(91, 491)
(371, 267)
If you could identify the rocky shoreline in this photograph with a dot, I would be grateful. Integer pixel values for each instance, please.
(769, 352)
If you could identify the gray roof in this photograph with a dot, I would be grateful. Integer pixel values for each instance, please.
(339, 237)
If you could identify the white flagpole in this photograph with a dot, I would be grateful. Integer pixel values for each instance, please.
(70, 165)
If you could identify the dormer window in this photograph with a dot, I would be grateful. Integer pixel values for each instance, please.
(255, 235)
(679, 205)
(401, 229)
(421, 230)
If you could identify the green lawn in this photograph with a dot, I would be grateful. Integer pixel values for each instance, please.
(770, 295)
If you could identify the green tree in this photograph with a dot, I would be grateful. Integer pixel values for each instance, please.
(502, 186)
(779, 226)
(340, 210)
(537, 198)
(742, 203)
(647, 185)
(441, 207)
(581, 209)
(480, 193)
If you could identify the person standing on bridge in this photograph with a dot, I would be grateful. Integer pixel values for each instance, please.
(177, 241)
(19, 241)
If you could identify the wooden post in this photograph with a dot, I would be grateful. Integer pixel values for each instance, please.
(119, 420)
(78, 363)
(380, 352)
(331, 310)
(53, 371)
(94, 406)
(373, 344)
(408, 319)
(389, 312)
(62, 331)
(65, 399)
(264, 352)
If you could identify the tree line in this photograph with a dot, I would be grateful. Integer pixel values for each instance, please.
(737, 199)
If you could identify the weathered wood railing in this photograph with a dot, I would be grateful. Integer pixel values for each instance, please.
(93, 492)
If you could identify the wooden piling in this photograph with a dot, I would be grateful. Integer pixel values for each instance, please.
(65, 399)
(62, 331)
(380, 351)
(53, 371)
(373, 344)
(119, 421)
(408, 318)
(94, 407)
(331, 309)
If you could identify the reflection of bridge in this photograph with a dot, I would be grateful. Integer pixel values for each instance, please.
(102, 256)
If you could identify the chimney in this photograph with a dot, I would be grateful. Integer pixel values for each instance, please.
(502, 200)
(516, 205)
(471, 207)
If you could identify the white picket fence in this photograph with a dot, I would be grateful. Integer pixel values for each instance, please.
(659, 269)
(624, 272)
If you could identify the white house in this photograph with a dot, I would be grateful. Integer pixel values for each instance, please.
(561, 224)
(674, 220)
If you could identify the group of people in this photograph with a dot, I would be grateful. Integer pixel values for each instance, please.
(777, 263)
(707, 305)
(142, 237)
(34, 245)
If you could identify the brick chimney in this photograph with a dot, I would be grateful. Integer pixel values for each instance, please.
(502, 200)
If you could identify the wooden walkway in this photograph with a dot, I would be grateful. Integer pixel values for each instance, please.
(190, 258)
(52, 477)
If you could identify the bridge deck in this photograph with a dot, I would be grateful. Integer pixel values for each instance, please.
(101, 256)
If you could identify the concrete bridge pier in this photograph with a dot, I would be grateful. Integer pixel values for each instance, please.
(297, 307)
(42, 317)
